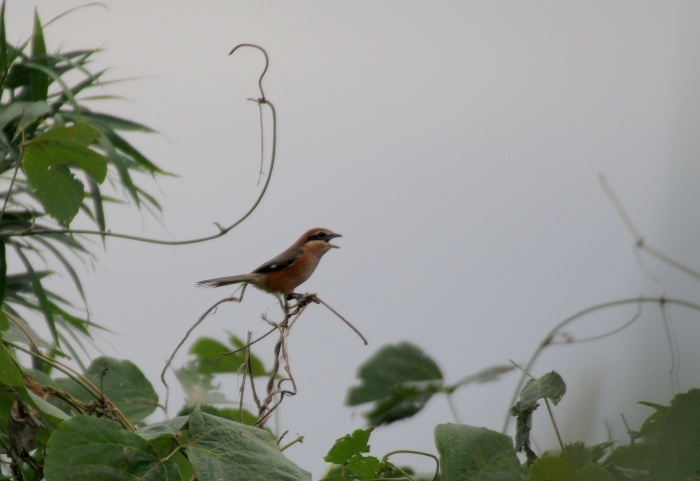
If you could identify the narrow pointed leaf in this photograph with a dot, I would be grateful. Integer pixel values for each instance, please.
(4, 57)
(3, 275)
(40, 293)
(38, 80)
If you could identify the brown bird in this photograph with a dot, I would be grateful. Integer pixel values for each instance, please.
(288, 270)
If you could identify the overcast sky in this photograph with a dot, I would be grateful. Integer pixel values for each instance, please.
(456, 146)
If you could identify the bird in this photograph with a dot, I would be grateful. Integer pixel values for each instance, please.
(283, 274)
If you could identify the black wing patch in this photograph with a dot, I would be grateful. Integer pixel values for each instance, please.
(280, 262)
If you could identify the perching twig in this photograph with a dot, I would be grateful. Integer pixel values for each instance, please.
(306, 298)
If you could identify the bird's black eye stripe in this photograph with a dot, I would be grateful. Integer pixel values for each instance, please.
(317, 236)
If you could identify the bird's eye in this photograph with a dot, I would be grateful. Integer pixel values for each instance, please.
(321, 235)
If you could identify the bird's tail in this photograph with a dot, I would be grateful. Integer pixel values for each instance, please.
(225, 281)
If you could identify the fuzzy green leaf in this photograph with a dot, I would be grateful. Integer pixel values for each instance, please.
(168, 428)
(349, 445)
(469, 453)
(400, 379)
(85, 448)
(122, 382)
(46, 162)
(223, 449)
(210, 358)
(550, 386)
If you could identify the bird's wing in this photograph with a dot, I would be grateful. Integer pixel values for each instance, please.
(282, 261)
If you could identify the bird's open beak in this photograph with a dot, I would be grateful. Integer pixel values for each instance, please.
(333, 236)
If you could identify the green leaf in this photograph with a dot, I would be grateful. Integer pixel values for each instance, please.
(580, 455)
(46, 161)
(350, 451)
(222, 449)
(44, 304)
(4, 57)
(198, 387)
(550, 468)
(210, 360)
(470, 453)
(349, 445)
(3, 280)
(550, 386)
(24, 113)
(86, 449)
(678, 453)
(122, 382)
(168, 428)
(400, 380)
(10, 374)
(246, 417)
(485, 375)
(48, 411)
(38, 81)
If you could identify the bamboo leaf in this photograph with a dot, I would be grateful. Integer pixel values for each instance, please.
(40, 293)
(38, 80)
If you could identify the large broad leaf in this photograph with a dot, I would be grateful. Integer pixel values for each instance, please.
(470, 453)
(47, 160)
(86, 449)
(122, 382)
(557, 469)
(168, 428)
(399, 379)
(222, 449)
(678, 453)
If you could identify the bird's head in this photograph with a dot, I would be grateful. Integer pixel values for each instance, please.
(319, 238)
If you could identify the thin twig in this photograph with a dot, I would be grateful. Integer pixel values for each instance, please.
(12, 183)
(298, 439)
(315, 297)
(232, 298)
(554, 423)
(673, 346)
(639, 240)
(241, 391)
(230, 353)
(21, 328)
(385, 459)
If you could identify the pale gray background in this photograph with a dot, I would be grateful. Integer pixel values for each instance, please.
(456, 146)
